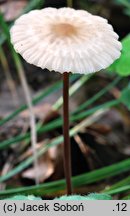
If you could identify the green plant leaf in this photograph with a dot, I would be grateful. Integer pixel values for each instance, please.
(122, 189)
(117, 186)
(80, 180)
(53, 142)
(33, 5)
(126, 197)
(57, 123)
(126, 4)
(122, 65)
(125, 97)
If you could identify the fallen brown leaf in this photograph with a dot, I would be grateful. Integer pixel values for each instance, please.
(45, 169)
(12, 9)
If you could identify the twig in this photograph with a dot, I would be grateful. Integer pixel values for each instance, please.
(32, 116)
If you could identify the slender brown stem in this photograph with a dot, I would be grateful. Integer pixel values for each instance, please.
(67, 147)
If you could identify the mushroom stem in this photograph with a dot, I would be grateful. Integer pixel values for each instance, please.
(67, 147)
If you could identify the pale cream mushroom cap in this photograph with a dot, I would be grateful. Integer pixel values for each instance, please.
(65, 40)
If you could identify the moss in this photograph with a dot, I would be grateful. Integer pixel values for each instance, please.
(21, 197)
(92, 196)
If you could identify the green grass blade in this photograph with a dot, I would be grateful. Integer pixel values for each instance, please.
(33, 4)
(35, 101)
(72, 90)
(57, 123)
(50, 90)
(54, 142)
(119, 190)
(5, 29)
(121, 183)
(2, 39)
(126, 197)
(97, 96)
(92, 110)
(84, 179)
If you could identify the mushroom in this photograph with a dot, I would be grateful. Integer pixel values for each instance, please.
(66, 40)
